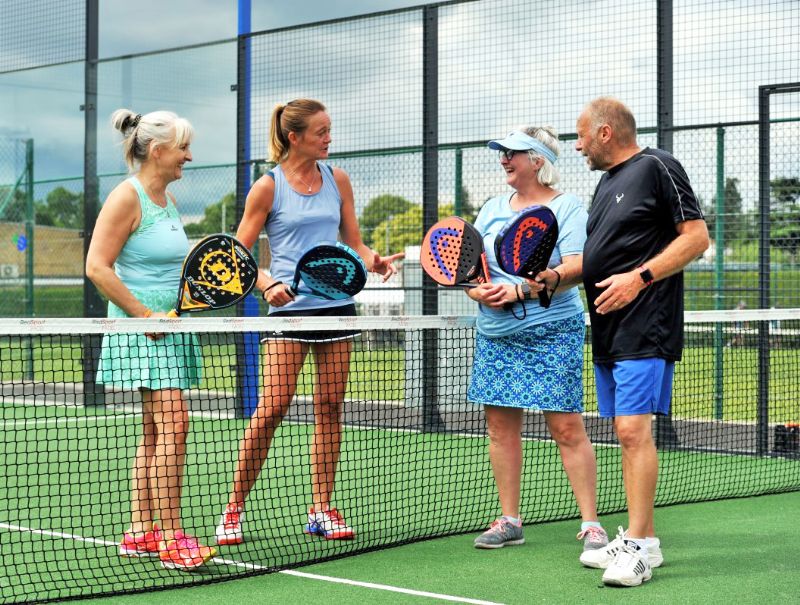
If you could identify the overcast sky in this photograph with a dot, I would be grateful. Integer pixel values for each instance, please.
(182, 22)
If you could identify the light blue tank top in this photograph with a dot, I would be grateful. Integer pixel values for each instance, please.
(152, 257)
(298, 221)
(493, 216)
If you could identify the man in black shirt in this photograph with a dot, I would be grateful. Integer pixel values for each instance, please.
(645, 225)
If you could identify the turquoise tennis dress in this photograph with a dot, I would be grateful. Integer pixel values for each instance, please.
(149, 264)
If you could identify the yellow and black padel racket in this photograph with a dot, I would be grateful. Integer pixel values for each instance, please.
(217, 273)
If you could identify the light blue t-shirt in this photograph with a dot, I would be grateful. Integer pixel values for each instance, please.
(571, 217)
(297, 222)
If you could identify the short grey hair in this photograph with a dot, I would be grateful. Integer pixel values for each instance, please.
(548, 174)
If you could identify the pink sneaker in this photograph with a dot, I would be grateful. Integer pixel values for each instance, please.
(185, 553)
(141, 545)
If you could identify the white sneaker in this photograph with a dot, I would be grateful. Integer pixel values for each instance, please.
(630, 567)
(229, 530)
(329, 524)
(601, 558)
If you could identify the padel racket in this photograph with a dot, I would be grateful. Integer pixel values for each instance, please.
(333, 271)
(524, 245)
(217, 273)
(452, 253)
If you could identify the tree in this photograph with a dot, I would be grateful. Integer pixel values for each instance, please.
(403, 230)
(785, 215)
(213, 219)
(376, 212)
(62, 208)
(734, 221)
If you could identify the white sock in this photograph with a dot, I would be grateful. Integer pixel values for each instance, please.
(641, 543)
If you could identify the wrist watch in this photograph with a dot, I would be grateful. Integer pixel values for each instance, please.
(525, 287)
(646, 275)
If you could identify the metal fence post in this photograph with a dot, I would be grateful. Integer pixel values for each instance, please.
(93, 394)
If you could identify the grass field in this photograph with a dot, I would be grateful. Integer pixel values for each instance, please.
(55, 360)
(66, 488)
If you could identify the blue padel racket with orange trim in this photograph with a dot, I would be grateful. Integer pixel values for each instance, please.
(525, 244)
(217, 273)
(452, 253)
(333, 271)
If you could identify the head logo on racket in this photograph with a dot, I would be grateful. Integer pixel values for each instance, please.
(332, 271)
(452, 253)
(525, 244)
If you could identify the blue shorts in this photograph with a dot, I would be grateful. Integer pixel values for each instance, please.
(634, 386)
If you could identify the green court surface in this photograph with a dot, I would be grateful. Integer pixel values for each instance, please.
(66, 492)
(739, 551)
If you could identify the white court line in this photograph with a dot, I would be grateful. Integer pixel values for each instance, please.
(253, 566)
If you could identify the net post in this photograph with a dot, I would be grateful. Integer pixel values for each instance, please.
(247, 343)
(762, 417)
(431, 419)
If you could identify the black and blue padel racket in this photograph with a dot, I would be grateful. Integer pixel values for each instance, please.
(452, 253)
(333, 271)
(525, 244)
(217, 273)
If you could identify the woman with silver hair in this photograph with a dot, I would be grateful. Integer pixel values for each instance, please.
(135, 259)
(528, 357)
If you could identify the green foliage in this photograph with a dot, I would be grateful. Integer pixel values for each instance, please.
(376, 212)
(403, 230)
(62, 208)
(217, 218)
(785, 215)
(734, 221)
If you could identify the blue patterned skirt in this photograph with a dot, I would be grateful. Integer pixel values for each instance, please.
(539, 368)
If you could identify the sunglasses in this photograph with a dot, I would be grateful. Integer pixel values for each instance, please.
(507, 153)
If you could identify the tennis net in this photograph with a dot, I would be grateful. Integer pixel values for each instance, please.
(413, 462)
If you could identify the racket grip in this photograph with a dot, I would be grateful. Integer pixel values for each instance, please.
(544, 298)
(173, 313)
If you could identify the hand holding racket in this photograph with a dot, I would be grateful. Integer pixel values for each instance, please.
(452, 254)
(217, 273)
(333, 271)
(525, 244)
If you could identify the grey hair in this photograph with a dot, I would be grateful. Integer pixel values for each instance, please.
(548, 174)
(145, 132)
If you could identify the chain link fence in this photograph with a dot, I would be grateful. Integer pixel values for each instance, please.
(415, 94)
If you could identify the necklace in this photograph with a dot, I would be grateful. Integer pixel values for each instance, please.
(293, 172)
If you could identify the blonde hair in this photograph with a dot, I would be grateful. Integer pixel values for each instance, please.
(292, 117)
(611, 111)
(142, 133)
(548, 174)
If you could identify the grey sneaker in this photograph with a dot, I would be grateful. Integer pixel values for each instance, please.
(593, 538)
(501, 533)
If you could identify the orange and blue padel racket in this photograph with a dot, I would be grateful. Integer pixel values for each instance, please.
(333, 271)
(452, 253)
(217, 273)
(525, 244)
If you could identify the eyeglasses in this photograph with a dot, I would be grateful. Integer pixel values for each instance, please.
(507, 153)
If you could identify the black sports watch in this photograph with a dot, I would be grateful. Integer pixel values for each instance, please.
(525, 288)
(646, 275)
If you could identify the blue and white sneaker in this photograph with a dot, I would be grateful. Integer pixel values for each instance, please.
(329, 524)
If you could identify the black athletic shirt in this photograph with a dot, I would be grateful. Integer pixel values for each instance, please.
(632, 218)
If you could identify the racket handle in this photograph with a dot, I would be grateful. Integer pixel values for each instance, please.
(173, 313)
(544, 298)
